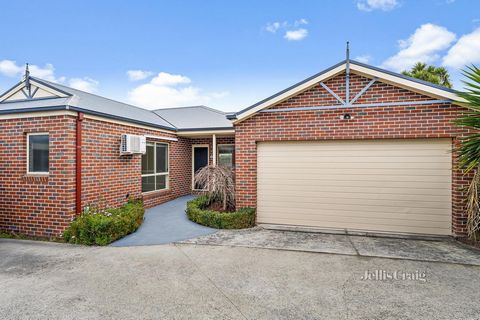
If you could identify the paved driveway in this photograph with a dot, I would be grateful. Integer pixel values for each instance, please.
(165, 223)
(40, 280)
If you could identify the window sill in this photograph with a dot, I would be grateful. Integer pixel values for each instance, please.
(33, 174)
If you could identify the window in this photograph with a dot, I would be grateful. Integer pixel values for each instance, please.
(37, 153)
(226, 155)
(155, 167)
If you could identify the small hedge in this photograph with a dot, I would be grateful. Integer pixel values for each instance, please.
(240, 219)
(101, 228)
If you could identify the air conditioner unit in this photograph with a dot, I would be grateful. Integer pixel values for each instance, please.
(132, 144)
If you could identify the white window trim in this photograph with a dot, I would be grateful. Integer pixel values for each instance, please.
(167, 179)
(193, 162)
(224, 145)
(37, 173)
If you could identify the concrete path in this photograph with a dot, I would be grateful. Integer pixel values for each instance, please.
(41, 280)
(165, 223)
(447, 250)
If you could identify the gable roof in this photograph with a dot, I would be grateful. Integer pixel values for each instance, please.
(386, 76)
(195, 118)
(66, 98)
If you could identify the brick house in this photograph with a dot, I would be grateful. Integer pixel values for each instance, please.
(352, 147)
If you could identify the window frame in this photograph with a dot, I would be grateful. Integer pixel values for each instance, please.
(167, 173)
(38, 173)
(233, 154)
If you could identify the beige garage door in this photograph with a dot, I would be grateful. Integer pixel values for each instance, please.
(398, 186)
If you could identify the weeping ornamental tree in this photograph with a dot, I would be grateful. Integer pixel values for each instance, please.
(218, 182)
(469, 151)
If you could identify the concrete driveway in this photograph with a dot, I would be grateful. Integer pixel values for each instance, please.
(440, 250)
(165, 223)
(41, 280)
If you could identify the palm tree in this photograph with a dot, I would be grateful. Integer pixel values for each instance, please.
(437, 75)
(469, 151)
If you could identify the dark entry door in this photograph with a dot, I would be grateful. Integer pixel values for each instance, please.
(200, 160)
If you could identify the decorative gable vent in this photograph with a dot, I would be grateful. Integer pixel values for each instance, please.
(132, 144)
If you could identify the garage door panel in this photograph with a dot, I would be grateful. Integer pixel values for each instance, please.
(294, 183)
(329, 215)
(308, 196)
(360, 171)
(380, 153)
(306, 177)
(381, 207)
(387, 185)
(344, 159)
(367, 165)
(275, 190)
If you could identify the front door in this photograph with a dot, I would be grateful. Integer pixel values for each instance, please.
(200, 160)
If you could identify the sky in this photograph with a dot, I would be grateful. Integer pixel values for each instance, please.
(225, 54)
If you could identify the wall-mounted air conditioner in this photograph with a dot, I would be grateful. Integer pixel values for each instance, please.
(132, 144)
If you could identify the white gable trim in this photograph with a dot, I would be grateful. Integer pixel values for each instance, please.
(287, 94)
(21, 85)
(385, 77)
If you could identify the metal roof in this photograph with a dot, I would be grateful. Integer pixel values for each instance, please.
(195, 118)
(175, 119)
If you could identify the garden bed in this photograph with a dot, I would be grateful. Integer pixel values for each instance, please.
(197, 212)
(95, 227)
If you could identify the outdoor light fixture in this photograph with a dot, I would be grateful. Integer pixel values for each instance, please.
(346, 116)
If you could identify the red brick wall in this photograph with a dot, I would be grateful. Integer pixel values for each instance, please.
(37, 206)
(108, 178)
(420, 121)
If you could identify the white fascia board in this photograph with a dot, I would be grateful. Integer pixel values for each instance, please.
(38, 114)
(406, 84)
(12, 91)
(281, 97)
(205, 133)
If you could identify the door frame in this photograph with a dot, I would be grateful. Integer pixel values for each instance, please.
(193, 162)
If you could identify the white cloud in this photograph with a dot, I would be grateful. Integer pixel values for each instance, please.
(293, 32)
(363, 59)
(170, 90)
(384, 5)
(137, 75)
(167, 79)
(423, 45)
(10, 68)
(296, 35)
(300, 22)
(465, 51)
(273, 27)
(85, 84)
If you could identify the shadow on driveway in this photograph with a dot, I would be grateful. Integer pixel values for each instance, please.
(165, 223)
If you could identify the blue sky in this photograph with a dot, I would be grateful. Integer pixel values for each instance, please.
(225, 54)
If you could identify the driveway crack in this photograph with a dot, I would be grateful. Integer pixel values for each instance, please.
(211, 281)
(351, 243)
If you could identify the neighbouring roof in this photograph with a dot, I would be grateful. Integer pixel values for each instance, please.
(394, 78)
(48, 96)
(195, 118)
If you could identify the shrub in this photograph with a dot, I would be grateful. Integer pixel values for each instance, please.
(93, 227)
(196, 212)
(219, 183)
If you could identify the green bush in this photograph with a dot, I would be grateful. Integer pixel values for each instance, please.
(101, 228)
(242, 218)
